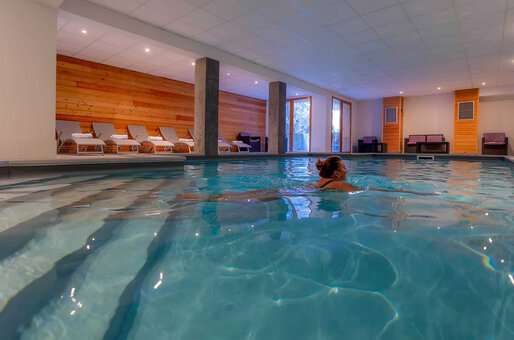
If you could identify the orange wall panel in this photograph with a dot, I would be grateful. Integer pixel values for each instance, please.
(88, 91)
(465, 139)
(392, 134)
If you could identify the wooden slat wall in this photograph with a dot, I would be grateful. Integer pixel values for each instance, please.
(88, 91)
(392, 134)
(465, 139)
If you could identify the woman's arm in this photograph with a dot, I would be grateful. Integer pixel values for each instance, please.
(405, 191)
(347, 187)
(247, 196)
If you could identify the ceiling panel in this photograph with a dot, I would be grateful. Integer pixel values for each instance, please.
(123, 6)
(163, 12)
(354, 45)
(110, 46)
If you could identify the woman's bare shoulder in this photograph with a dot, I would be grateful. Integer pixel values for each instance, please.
(343, 186)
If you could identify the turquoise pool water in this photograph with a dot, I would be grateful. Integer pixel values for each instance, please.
(120, 257)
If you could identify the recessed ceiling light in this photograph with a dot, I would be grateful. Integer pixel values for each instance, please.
(512, 61)
(256, 82)
(484, 83)
(439, 88)
(297, 94)
(147, 50)
(401, 92)
(84, 31)
(228, 74)
(193, 63)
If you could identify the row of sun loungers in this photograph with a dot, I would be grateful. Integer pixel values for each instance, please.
(105, 139)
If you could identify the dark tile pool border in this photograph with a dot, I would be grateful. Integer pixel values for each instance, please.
(9, 170)
(406, 156)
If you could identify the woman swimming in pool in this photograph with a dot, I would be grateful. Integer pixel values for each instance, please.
(332, 172)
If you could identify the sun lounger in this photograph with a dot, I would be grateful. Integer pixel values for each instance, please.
(180, 145)
(223, 146)
(253, 141)
(115, 142)
(241, 146)
(70, 137)
(153, 144)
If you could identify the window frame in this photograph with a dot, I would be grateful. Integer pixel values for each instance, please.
(396, 120)
(291, 122)
(458, 110)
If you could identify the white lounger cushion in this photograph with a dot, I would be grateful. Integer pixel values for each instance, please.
(241, 144)
(189, 142)
(155, 139)
(88, 141)
(125, 142)
(163, 143)
(223, 143)
(82, 135)
(119, 137)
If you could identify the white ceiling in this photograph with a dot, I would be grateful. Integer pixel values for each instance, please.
(108, 45)
(362, 48)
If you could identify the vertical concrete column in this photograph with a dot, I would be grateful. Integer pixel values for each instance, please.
(28, 32)
(207, 76)
(277, 117)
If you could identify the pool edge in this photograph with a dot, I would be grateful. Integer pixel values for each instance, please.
(15, 169)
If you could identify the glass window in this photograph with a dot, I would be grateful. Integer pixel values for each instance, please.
(346, 127)
(298, 124)
(301, 127)
(390, 115)
(341, 125)
(288, 124)
(336, 125)
(466, 110)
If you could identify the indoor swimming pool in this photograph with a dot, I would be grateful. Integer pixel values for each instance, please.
(122, 256)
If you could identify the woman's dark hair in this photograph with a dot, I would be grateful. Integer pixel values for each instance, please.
(328, 166)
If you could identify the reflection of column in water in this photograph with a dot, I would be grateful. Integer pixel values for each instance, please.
(297, 206)
(209, 210)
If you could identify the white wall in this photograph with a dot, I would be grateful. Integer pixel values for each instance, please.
(429, 114)
(366, 119)
(320, 128)
(497, 115)
(27, 80)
